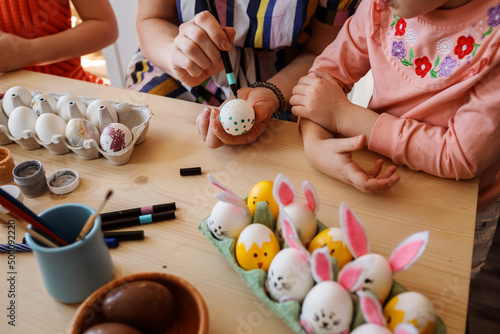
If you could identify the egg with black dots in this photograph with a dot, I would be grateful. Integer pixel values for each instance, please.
(237, 117)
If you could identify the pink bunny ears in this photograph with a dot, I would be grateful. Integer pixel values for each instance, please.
(228, 196)
(284, 193)
(402, 257)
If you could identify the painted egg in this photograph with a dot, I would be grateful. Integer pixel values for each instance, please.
(302, 218)
(78, 130)
(48, 125)
(333, 239)
(14, 97)
(226, 221)
(411, 307)
(237, 117)
(289, 276)
(256, 247)
(43, 103)
(115, 137)
(112, 328)
(263, 192)
(22, 118)
(327, 308)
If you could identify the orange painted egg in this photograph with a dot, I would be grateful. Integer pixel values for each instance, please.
(263, 192)
(256, 247)
(333, 239)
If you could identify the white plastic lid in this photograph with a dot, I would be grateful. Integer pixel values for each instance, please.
(63, 181)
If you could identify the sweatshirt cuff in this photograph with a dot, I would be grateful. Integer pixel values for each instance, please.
(385, 134)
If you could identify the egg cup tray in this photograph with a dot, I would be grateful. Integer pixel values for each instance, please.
(288, 311)
(135, 117)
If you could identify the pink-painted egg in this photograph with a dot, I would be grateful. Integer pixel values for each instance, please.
(115, 137)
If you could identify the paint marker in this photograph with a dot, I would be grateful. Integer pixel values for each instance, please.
(135, 221)
(135, 212)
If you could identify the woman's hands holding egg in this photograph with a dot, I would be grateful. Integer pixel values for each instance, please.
(264, 103)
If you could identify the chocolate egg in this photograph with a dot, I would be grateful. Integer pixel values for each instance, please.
(111, 328)
(146, 305)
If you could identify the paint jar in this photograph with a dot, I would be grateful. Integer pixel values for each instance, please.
(30, 177)
(6, 165)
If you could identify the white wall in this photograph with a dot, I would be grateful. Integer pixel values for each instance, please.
(119, 54)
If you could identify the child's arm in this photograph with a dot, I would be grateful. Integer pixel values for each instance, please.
(97, 30)
(333, 156)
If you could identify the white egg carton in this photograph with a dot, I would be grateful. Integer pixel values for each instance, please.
(135, 117)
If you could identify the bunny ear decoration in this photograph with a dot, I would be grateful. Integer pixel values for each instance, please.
(405, 328)
(283, 190)
(354, 273)
(354, 232)
(219, 185)
(321, 265)
(408, 251)
(291, 237)
(310, 194)
(371, 308)
(233, 200)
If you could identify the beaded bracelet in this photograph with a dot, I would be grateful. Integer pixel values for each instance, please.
(275, 90)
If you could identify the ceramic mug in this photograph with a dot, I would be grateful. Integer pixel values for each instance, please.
(72, 273)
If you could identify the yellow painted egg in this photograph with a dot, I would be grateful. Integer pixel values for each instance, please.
(263, 192)
(411, 307)
(256, 247)
(333, 239)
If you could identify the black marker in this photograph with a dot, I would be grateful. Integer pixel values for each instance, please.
(138, 220)
(225, 56)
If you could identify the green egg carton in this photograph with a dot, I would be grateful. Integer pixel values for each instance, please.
(288, 311)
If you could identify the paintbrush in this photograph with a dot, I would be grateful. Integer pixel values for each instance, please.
(90, 221)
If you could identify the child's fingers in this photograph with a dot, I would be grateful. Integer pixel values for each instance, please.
(203, 123)
(347, 145)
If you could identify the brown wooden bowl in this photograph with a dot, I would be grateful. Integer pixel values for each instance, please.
(191, 310)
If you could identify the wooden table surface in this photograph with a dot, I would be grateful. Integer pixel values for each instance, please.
(418, 202)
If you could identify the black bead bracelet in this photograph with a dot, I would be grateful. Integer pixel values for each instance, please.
(275, 90)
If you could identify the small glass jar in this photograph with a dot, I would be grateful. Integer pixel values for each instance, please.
(30, 177)
(6, 165)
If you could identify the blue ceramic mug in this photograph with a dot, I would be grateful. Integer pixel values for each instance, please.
(72, 273)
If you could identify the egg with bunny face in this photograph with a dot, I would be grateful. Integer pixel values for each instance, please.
(411, 307)
(334, 240)
(237, 117)
(256, 247)
(226, 221)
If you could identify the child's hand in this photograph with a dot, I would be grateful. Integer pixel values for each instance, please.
(196, 53)
(263, 101)
(320, 99)
(333, 156)
(13, 52)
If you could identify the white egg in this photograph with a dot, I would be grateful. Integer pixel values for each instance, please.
(22, 118)
(48, 125)
(78, 130)
(237, 117)
(97, 107)
(115, 137)
(43, 103)
(14, 97)
(70, 106)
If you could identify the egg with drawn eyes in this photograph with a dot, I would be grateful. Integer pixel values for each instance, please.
(115, 137)
(237, 117)
(263, 192)
(334, 240)
(226, 221)
(411, 307)
(256, 247)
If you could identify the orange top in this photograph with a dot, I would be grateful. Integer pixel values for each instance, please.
(34, 18)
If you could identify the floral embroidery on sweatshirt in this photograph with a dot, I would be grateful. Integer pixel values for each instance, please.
(450, 54)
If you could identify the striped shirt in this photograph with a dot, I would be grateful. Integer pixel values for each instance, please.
(269, 35)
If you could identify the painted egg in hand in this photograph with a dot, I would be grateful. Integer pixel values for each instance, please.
(237, 117)
(115, 137)
(256, 247)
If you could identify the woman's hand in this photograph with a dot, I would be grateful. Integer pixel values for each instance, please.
(333, 156)
(264, 103)
(196, 49)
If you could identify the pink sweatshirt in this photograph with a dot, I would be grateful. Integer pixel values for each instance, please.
(436, 85)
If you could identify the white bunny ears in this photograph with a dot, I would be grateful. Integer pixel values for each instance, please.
(402, 257)
(284, 193)
(228, 196)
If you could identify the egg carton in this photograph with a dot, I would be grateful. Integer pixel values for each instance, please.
(290, 310)
(135, 117)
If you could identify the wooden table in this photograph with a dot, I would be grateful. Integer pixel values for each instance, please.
(418, 202)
